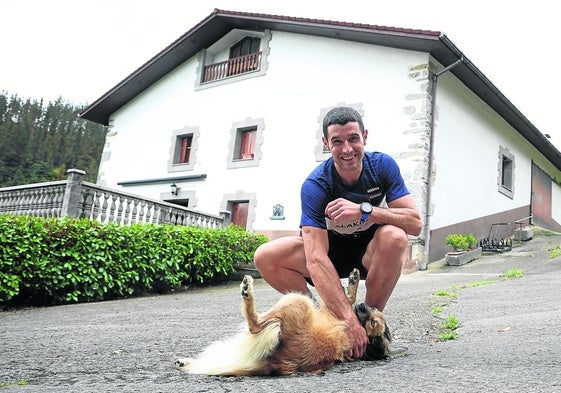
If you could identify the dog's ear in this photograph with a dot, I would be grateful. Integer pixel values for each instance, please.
(388, 333)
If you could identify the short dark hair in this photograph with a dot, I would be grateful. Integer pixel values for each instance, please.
(341, 115)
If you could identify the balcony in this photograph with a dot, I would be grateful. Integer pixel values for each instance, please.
(232, 67)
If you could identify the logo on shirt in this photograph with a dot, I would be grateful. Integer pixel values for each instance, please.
(347, 228)
(374, 192)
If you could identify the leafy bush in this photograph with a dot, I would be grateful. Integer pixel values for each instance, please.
(461, 241)
(54, 261)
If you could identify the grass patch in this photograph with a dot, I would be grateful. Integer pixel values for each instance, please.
(437, 310)
(512, 274)
(448, 328)
(554, 252)
(448, 335)
(23, 382)
(478, 283)
(451, 323)
(446, 293)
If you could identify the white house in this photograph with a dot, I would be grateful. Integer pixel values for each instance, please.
(231, 113)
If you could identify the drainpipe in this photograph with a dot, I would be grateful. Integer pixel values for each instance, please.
(425, 234)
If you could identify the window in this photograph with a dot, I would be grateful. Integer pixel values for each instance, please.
(506, 176)
(238, 55)
(186, 142)
(183, 149)
(244, 56)
(247, 144)
(506, 173)
(244, 47)
(246, 138)
(184, 197)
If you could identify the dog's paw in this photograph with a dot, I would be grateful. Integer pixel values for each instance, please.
(352, 286)
(354, 277)
(246, 286)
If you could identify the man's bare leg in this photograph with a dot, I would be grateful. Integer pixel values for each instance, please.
(282, 263)
(383, 260)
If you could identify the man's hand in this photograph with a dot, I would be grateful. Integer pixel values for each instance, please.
(342, 210)
(357, 338)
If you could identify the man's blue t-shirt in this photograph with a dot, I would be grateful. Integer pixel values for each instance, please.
(380, 179)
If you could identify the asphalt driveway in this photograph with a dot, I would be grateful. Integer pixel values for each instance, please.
(508, 336)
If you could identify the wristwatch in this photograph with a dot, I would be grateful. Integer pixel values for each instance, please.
(365, 208)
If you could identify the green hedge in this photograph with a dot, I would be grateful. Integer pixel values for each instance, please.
(56, 261)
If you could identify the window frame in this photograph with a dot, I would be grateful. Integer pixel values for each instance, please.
(237, 132)
(176, 149)
(220, 51)
(229, 200)
(506, 172)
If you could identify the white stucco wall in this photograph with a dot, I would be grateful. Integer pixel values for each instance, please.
(305, 74)
(468, 136)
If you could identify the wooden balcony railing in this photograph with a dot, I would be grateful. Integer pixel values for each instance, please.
(78, 199)
(232, 67)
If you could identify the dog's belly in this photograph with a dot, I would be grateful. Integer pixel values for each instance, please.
(311, 343)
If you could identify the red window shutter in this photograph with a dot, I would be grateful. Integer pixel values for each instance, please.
(247, 146)
(185, 150)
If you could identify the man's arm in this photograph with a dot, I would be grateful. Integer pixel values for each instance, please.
(401, 213)
(328, 286)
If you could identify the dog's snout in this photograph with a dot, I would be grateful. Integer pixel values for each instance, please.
(362, 307)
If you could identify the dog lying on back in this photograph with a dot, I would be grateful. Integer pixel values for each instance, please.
(293, 336)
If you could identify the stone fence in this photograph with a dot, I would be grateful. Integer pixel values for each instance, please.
(76, 198)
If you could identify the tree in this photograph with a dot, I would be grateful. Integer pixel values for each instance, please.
(39, 142)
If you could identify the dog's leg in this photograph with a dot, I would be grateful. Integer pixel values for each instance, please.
(352, 287)
(248, 304)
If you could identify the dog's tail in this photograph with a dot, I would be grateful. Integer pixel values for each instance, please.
(243, 354)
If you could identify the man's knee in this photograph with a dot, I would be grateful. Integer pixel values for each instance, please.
(278, 251)
(260, 256)
(390, 237)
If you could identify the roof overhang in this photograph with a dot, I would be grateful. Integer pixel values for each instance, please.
(219, 23)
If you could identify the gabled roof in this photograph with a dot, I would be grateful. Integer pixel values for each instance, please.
(220, 22)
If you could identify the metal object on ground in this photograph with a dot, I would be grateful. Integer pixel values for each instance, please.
(499, 239)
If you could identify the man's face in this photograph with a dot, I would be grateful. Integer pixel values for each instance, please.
(346, 144)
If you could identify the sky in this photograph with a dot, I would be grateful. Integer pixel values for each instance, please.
(80, 49)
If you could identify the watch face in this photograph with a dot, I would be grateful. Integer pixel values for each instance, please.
(366, 207)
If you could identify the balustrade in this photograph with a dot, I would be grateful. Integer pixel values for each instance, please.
(231, 67)
(78, 199)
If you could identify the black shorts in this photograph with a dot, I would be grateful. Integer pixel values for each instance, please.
(346, 252)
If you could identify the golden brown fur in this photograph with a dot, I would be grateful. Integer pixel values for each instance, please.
(293, 336)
